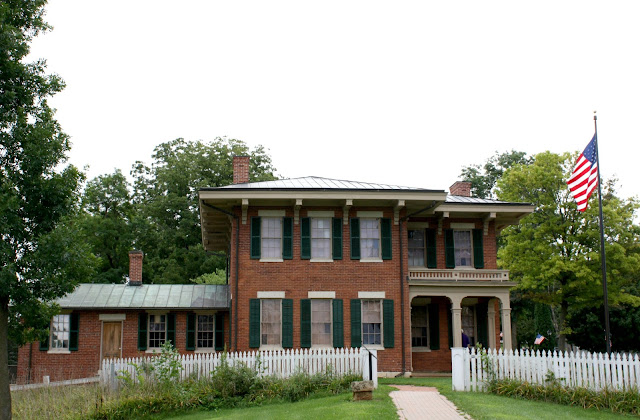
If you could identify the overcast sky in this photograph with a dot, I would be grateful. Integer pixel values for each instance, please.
(401, 92)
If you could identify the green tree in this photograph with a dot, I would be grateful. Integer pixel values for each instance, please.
(167, 223)
(106, 222)
(554, 254)
(39, 260)
(483, 178)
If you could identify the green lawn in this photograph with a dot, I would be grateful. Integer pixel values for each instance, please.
(332, 407)
(478, 405)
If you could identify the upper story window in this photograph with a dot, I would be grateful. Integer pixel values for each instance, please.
(271, 234)
(464, 246)
(320, 238)
(370, 237)
(416, 247)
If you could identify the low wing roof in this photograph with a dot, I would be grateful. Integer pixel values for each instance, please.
(147, 296)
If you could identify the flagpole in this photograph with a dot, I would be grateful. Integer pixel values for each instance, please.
(602, 253)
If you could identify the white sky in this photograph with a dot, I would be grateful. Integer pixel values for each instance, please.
(402, 92)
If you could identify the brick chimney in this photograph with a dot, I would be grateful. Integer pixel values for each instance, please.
(240, 169)
(135, 268)
(461, 188)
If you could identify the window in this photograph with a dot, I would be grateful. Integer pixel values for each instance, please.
(157, 330)
(270, 322)
(205, 331)
(60, 329)
(469, 323)
(370, 238)
(462, 246)
(271, 233)
(416, 247)
(419, 326)
(321, 334)
(320, 238)
(371, 322)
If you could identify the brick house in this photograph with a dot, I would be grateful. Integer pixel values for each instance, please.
(99, 321)
(317, 262)
(313, 262)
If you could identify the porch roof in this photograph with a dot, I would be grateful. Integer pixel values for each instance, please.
(147, 296)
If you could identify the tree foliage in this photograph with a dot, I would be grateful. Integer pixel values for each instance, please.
(554, 254)
(483, 178)
(39, 259)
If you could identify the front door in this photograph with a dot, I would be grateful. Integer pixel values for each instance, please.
(111, 339)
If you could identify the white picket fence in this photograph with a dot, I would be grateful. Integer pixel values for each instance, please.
(579, 369)
(280, 363)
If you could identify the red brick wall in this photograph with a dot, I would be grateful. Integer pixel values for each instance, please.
(345, 277)
(86, 361)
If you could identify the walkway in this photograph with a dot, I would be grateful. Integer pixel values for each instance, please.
(421, 402)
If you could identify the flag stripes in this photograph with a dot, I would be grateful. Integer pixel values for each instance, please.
(584, 178)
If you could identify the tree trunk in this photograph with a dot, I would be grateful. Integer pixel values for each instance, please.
(562, 317)
(5, 390)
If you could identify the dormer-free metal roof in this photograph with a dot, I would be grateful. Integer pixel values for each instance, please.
(147, 296)
(217, 203)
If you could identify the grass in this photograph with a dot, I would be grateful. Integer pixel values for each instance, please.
(59, 402)
(482, 406)
(338, 406)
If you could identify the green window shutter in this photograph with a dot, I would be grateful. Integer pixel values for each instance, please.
(254, 323)
(449, 249)
(450, 325)
(74, 329)
(385, 229)
(171, 328)
(478, 252)
(287, 238)
(336, 238)
(356, 323)
(44, 344)
(219, 331)
(305, 238)
(287, 323)
(432, 256)
(305, 323)
(255, 238)
(191, 331)
(142, 331)
(338, 324)
(434, 326)
(388, 317)
(481, 320)
(355, 238)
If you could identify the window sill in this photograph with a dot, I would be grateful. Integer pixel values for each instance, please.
(465, 268)
(377, 347)
(420, 350)
(270, 348)
(271, 260)
(321, 260)
(155, 350)
(371, 260)
(58, 351)
(205, 350)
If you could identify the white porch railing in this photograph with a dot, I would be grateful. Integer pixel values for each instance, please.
(596, 371)
(281, 363)
(458, 275)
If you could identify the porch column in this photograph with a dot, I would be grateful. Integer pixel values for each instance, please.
(505, 313)
(491, 321)
(456, 318)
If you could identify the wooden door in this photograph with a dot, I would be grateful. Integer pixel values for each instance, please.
(111, 339)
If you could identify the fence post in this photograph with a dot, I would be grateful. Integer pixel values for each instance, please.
(457, 368)
(370, 366)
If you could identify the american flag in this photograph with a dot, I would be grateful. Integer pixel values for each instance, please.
(539, 339)
(584, 178)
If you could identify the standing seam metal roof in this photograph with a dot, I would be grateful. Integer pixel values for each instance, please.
(147, 296)
(314, 182)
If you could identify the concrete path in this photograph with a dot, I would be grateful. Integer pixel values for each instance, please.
(421, 402)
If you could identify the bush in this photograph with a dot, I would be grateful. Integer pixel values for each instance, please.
(554, 391)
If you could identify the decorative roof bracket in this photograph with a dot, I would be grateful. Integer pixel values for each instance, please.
(245, 207)
(345, 211)
(396, 211)
(489, 217)
(296, 211)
